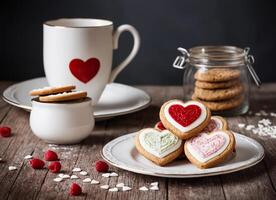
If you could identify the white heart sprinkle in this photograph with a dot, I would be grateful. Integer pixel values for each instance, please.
(65, 176)
(95, 182)
(11, 168)
(113, 189)
(113, 174)
(154, 184)
(58, 179)
(105, 187)
(154, 187)
(28, 157)
(76, 169)
(60, 175)
(120, 185)
(74, 177)
(84, 173)
(87, 180)
(144, 188)
(126, 188)
(106, 175)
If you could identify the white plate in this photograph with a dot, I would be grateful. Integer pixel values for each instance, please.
(117, 99)
(248, 153)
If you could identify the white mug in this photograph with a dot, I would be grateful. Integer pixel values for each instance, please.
(79, 52)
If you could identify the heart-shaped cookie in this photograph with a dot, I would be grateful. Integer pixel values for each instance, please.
(161, 147)
(159, 126)
(209, 149)
(84, 71)
(184, 119)
(216, 123)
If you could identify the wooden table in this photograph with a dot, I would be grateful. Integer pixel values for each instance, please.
(258, 182)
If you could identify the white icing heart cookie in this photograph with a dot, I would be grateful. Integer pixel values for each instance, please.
(209, 149)
(184, 119)
(216, 123)
(161, 147)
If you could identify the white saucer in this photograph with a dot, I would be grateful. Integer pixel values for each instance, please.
(117, 99)
(248, 153)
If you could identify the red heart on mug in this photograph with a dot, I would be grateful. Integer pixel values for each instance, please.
(84, 71)
(184, 115)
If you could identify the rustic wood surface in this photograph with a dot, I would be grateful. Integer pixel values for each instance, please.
(258, 182)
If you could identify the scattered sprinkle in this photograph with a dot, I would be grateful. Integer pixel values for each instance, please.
(155, 187)
(106, 175)
(58, 179)
(87, 180)
(249, 127)
(28, 157)
(11, 168)
(144, 188)
(126, 188)
(95, 182)
(76, 169)
(113, 174)
(84, 173)
(65, 176)
(120, 185)
(74, 177)
(60, 175)
(241, 125)
(154, 184)
(105, 187)
(113, 189)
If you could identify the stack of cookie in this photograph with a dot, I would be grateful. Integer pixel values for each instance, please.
(187, 129)
(219, 89)
(58, 94)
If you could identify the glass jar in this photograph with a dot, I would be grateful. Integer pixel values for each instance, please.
(218, 77)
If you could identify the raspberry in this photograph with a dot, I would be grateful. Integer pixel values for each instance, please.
(5, 131)
(75, 189)
(37, 163)
(50, 156)
(54, 167)
(101, 166)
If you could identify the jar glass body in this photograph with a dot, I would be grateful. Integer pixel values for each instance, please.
(234, 103)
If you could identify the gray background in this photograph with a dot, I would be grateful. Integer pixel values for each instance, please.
(163, 26)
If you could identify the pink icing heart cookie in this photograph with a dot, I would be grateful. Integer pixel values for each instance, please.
(160, 147)
(210, 149)
(216, 123)
(184, 119)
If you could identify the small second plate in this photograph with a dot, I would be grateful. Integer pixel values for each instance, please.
(117, 99)
(248, 153)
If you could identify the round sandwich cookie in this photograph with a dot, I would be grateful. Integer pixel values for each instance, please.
(217, 74)
(222, 105)
(216, 123)
(216, 85)
(210, 149)
(184, 119)
(159, 126)
(218, 94)
(52, 90)
(66, 96)
(160, 147)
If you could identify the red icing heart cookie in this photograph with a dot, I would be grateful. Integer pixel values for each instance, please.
(159, 126)
(210, 149)
(184, 119)
(84, 71)
(216, 123)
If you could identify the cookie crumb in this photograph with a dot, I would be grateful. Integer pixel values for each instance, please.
(12, 168)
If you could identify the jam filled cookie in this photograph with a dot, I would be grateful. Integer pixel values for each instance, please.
(216, 123)
(160, 147)
(52, 90)
(210, 149)
(184, 119)
(66, 96)
(217, 75)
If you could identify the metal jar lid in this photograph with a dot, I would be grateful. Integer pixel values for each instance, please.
(217, 56)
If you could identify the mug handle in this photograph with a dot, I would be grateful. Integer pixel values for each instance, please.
(133, 52)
